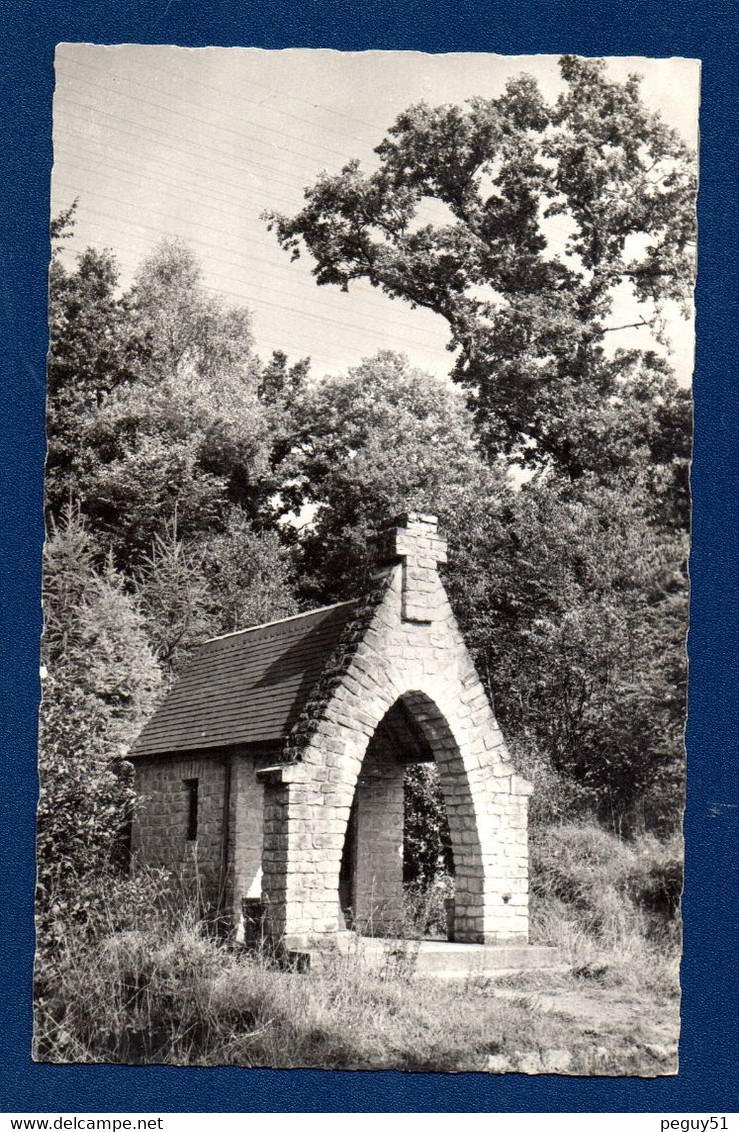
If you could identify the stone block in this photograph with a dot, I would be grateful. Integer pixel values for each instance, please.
(325, 925)
(520, 786)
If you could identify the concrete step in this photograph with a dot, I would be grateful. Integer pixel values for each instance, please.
(440, 959)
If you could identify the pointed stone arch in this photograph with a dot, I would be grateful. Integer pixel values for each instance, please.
(276, 722)
(465, 809)
(373, 883)
(405, 644)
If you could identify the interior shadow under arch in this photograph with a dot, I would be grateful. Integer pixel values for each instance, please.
(413, 730)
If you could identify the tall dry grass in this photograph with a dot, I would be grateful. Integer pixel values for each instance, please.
(611, 907)
(147, 981)
(178, 996)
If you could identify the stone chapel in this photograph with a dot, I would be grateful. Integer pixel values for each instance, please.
(274, 767)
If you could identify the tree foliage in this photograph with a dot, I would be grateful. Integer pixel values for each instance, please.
(219, 491)
(159, 448)
(102, 681)
(575, 605)
(90, 354)
(427, 844)
(228, 581)
(529, 319)
(186, 330)
(367, 445)
(188, 436)
(250, 575)
(173, 593)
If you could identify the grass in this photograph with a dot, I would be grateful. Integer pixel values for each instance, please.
(191, 1001)
(168, 992)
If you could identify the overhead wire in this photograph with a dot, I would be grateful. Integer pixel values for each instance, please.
(211, 125)
(220, 231)
(144, 131)
(159, 70)
(306, 285)
(242, 260)
(298, 350)
(270, 272)
(200, 147)
(373, 328)
(413, 342)
(74, 158)
(224, 159)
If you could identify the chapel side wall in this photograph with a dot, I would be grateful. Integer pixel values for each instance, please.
(160, 826)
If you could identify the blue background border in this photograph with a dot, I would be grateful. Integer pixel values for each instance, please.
(692, 28)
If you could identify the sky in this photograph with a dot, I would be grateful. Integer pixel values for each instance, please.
(197, 143)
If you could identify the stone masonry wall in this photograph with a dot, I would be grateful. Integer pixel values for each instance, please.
(378, 876)
(410, 648)
(246, 831)
(159, 836)
(291, 818)
(227, 872)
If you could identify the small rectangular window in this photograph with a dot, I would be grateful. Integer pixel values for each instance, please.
(191, 786)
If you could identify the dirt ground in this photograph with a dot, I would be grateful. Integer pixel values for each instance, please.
(604, 1029)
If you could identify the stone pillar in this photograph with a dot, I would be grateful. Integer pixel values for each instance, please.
(304, 825)
(378, 876)
(245, 835)
(275, 853)
(506, 918)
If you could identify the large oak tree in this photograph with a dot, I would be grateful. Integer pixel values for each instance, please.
(511, 178)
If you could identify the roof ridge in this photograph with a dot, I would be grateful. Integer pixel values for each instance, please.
(280, 620)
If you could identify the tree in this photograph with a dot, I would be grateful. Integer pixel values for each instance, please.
(101, 683)
(190, 435)
(185, 329)
(90, 354)
(249, 574)
(427, 842)
(572, 591)
(173, 593)
(381, 439)
(574, 604)
(278, 382)
(529, 323)
(216, 584)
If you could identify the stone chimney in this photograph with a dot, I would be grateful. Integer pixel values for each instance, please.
(413, 539)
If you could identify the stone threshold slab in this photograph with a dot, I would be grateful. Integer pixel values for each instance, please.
(439, 958)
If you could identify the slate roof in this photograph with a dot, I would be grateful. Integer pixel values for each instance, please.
(247, 687)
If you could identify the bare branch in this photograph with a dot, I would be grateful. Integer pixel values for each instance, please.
(630, 325)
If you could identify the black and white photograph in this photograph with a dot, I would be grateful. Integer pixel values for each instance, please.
(365, 583)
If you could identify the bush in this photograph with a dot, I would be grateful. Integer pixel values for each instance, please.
(76, 944)
(612, 884)
(427, 844)
(584, 870)
(557, 797)
(656, 879)
(426, 907)
(611, 907)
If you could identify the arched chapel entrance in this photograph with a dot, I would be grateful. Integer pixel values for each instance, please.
(400, 687)
(371, 894)
(285, 745)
